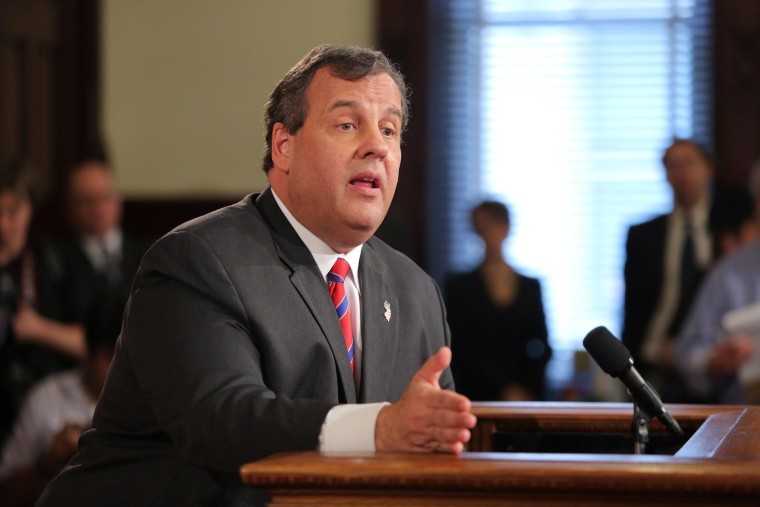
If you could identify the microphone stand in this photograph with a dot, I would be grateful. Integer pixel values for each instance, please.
(640, 428)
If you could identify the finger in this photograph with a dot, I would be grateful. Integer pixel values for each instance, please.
(450, 419)
(451, 436)
(431, 371)
(448, 400)
(447, 441)
(454, 448)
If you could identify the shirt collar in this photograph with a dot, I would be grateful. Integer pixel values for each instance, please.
(323, 255)
(111, 240)
(699, 213)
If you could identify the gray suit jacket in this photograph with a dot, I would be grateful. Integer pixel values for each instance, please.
(231, 351)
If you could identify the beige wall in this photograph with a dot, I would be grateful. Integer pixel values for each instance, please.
(185, 83)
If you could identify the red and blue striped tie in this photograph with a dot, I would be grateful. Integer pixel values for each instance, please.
(336, 278)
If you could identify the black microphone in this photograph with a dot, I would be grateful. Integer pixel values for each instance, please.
(615, 359)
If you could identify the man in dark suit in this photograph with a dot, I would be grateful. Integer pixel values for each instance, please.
(100, 248)
(231, 348)
(666, 257)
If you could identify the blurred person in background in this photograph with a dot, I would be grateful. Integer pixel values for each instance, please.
(499, 337)
(40, 330)
(666, 258)
(100, 248)
(710, 357)
(56, 411)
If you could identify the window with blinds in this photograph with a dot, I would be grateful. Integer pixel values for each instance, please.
(561, 109)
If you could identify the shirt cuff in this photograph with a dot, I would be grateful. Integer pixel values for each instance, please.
(350, 428)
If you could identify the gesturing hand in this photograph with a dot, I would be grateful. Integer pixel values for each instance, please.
(730, 354)
(426, 418)
(63, 447)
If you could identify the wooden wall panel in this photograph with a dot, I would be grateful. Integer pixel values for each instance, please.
(28, 46)
(737, 88)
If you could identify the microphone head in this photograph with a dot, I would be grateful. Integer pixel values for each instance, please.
(609, 352)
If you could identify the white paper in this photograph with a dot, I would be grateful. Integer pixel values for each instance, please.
(746, 320)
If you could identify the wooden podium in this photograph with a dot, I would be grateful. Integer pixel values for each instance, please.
(718, 465)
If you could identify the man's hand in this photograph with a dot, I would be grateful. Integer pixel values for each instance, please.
(426, 418)
(63, 447)
(729, 355)
(28, 325)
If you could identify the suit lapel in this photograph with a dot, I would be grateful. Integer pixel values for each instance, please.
(379, 327)
(308, 281)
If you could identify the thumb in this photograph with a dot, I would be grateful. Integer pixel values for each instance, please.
(431, 371)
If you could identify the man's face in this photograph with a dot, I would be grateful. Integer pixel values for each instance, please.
(94, 202)
(15, 216)
(688, 173)
(338, 173)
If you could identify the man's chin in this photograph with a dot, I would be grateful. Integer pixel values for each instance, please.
(356, 233)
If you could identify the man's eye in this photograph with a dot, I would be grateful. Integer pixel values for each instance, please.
(388, 132)
(346, 127)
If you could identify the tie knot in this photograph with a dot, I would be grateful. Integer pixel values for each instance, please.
(339, 271)
(688, 221)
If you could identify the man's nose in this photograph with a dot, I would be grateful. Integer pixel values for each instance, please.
(373, 144)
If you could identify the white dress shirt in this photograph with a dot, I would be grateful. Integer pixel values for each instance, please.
(54, 402)
(103, 250)
(347, 428)
(657, 332)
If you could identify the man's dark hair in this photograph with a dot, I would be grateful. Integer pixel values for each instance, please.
(731, 209)
(701, 149)
(18, 176)
(85, 163)
(287, 103)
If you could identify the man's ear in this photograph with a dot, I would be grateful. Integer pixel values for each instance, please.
(281, 139)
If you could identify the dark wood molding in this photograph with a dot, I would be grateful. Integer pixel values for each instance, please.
(151, 218)
(50, 92)
(736, 69)
(402, 35)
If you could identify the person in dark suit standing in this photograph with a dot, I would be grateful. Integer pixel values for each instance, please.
(100, 248)
(231, 347)
(498, 328)
(666, 258)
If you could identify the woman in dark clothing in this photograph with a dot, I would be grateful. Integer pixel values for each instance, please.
(38, 329)
(498, 327)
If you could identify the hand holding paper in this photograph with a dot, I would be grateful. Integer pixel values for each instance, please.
(740, 348)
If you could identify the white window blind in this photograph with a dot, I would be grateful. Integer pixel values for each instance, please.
(561, 109)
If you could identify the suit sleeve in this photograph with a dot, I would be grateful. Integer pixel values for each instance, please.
(195, 357)
(447, 379)
(634, 322)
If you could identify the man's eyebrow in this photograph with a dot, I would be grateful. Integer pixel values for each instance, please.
(342, 103)
(396, 112)
(393, 110)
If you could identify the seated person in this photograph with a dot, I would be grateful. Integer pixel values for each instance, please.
(498, 328)
(39, 330)
(100, 248)
(56, 411)
(708, 357)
